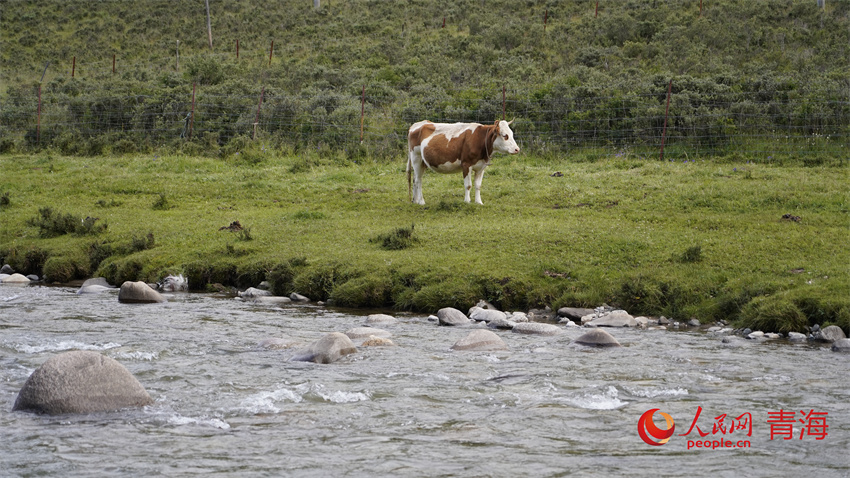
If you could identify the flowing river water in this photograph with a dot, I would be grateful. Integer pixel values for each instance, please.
(225, 405)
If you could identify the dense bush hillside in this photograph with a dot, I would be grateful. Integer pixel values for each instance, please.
(574, 75)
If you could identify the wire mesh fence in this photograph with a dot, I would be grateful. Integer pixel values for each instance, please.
(689, 123)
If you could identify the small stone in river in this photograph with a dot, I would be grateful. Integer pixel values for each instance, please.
(796, 337)
(536, 328)
(374, 341)
(598, 338)
(364, 332)
(138, 293)
(480, 340)
(382, 319)
(296, 297)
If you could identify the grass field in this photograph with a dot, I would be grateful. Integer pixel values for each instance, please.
(703, 239)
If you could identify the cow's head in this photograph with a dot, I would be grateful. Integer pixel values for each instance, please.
(505, 140)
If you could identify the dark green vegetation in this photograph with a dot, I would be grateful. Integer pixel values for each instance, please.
(764, 244)
(762, 78)
(759, 97)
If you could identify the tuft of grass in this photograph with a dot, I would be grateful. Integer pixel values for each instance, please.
(401, 238)
(691, 255)
(161, 203)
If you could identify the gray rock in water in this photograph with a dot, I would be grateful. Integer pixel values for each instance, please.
(796, 337)
(94, 285)
(616, 318)
(33, 277)
(16, 279)
(574, 313)
(452, 316)
(364, 332)
(81, 382)
(252, 292)
(536, 328)
(373, 341)
(173, 283)
(486, 315)
(518, 317)
(296, 297)
(7, 269)
(694, 323)
(381, 319)
(138, 293)
(480, 340)
(597, 338)
(841, 345)
(829, 334)
(501, 324)
(328, 349)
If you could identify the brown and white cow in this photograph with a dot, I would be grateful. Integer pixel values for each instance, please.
(447, 148)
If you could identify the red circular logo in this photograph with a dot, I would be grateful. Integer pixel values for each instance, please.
(646, 428)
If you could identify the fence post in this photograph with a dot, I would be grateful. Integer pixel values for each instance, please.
(503, 103)
(271, 52)
(700, 8)
(44, 72)
(257, 119)
(73, 66)
(38, 125)
(444, 22)
(362, 112)
(209, 24)
(545, 19)
(177, 60)
(192, 118)
(666, 112)
(113, 63)
(597, 9)
(237, 48)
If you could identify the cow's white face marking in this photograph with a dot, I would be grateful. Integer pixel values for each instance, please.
(505, 142)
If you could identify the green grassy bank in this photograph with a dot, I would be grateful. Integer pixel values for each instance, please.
(703, 239)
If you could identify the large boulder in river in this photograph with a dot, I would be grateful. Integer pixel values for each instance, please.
(452, 316)
(328, 349)
(81, 382)
(597, 338)
(829, 334)
(138, 293)
(16, 279)
(480, 340)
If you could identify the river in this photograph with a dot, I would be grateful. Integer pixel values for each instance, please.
(225, 405)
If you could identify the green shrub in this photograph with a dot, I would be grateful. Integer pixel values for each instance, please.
(318, 281)
(774, 313)
(373, 291)
(65, 269)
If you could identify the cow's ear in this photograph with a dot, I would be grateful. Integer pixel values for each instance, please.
(496, 123)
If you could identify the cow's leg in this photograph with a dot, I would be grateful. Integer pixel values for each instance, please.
(467, 183)
(479, 176)
(418, 166)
